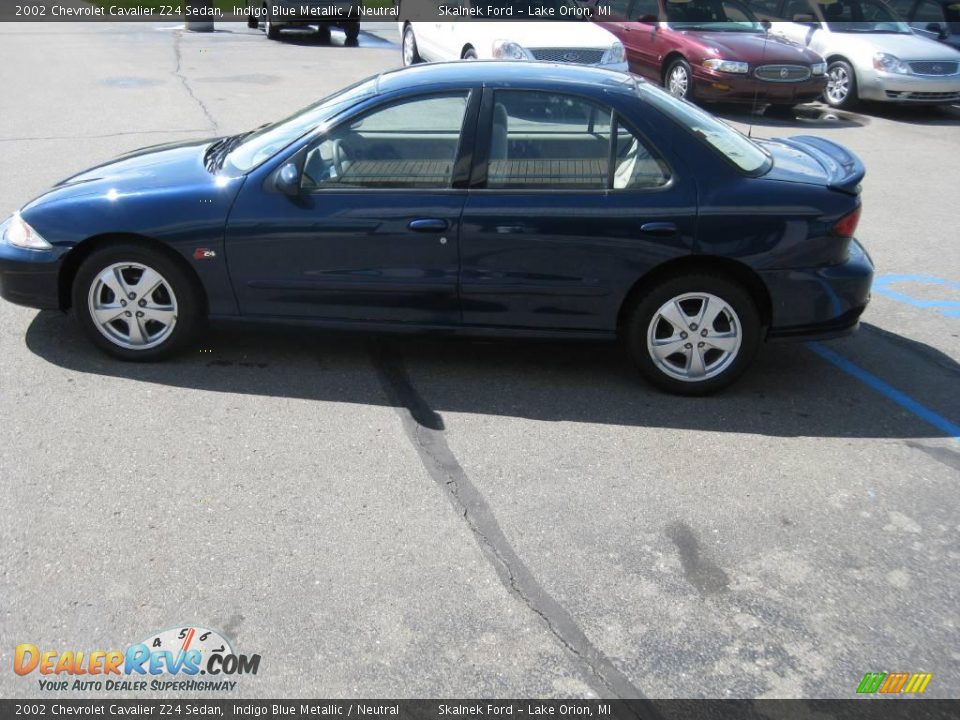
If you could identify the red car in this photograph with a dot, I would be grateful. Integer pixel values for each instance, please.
(713, 50)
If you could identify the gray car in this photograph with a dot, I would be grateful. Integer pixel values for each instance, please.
(871, 53)
(938, 19)
(273, 15)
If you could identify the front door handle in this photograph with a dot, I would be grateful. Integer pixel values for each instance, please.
(659, 229)
(428, 225)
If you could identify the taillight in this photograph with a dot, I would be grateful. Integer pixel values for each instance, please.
(847, 225)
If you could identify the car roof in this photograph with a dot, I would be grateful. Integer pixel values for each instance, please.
(529, 74)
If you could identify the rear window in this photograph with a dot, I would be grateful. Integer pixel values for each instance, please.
(733, 145)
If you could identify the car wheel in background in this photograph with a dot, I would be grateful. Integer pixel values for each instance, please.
(678, 79)
(411, 56)
(252, 22)
(693, 334)
(469, 54)
(841, 89)
(136, 303)
(352, 32)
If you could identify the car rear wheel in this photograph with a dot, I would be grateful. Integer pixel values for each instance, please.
(841, 91)
(136, 303)
(679, 79)
(411, 56)
(693, 334)
(352, 33)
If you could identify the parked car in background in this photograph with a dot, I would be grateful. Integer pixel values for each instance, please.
(485, 198)
(939, 19)
(580, 42)
(713, 50)
(871, 53)
(275, 15)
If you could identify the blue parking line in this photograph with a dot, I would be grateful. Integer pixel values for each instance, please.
(888, 391)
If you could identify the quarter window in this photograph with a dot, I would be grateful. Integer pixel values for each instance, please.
(558, 142)
(411, 144)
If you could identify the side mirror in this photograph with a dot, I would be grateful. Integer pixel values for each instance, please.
(936, 28)
(766, 25)
(288, 180)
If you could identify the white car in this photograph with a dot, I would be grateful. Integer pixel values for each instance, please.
(871, 54)
(564, 42)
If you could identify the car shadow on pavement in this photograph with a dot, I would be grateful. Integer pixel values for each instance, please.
(790, 391)
(805, 116)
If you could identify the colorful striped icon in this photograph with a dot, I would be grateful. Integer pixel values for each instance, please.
(890, 683)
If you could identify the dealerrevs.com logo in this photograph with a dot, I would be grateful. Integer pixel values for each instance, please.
(180, 659)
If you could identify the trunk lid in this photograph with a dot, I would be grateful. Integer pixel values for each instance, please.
(815, 161)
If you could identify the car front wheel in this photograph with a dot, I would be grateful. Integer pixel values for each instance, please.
(693, 334)
(411, 56)
(136, 303)
(841, 89)
(679, 80)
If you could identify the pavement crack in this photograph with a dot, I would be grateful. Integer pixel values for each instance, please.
(425, 429)
(178, 73)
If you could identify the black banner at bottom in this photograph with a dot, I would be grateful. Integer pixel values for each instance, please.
(859, 709)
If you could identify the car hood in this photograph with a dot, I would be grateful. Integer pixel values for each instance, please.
(545, 34)
(754, 48)
(903, 46)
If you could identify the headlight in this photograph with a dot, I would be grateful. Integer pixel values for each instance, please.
(508, 50)
(890, 63)
(730, 66)
(615, 55)
(818, 68)
(18, 233)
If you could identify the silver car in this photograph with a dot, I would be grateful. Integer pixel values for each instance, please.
(871, 53)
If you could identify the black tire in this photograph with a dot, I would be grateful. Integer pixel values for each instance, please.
(323, 33)
(410, 40)
(352, 32)
(186, 290)
(252, 22)
(679, 65)
(469, 54)
(745, 323)
(832, 98)
(273, 30)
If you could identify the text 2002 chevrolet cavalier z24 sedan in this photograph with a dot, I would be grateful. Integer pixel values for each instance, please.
(488, 198)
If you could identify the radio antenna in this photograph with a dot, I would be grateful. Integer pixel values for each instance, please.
(756, 88)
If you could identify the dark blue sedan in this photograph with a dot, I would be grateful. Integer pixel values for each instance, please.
(492, 198)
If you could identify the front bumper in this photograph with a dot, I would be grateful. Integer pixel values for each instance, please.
(30, 277)
(713, 86)
(920, 89)
(819, 303)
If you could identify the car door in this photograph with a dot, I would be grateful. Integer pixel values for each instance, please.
(372, 234)
(569, 205)
(634, 24)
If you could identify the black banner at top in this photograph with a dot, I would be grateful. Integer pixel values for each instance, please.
(339, 11)
(295, 709)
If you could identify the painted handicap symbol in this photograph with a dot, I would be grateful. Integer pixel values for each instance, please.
(951, 308)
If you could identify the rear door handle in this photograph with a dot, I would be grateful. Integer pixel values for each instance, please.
(428, 225)
(659, 229)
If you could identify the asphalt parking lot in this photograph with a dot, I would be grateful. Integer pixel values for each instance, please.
(385, 517)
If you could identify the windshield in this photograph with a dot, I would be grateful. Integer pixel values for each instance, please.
(733, 145)
(261, 145)
(861, 16)
(713, 15)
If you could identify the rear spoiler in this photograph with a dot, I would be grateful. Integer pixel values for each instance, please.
(844, 169)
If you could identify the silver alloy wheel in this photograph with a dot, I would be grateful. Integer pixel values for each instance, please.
(678, 82)
(132, 305)
(838, 84)
(409, 46)
(694, 337)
